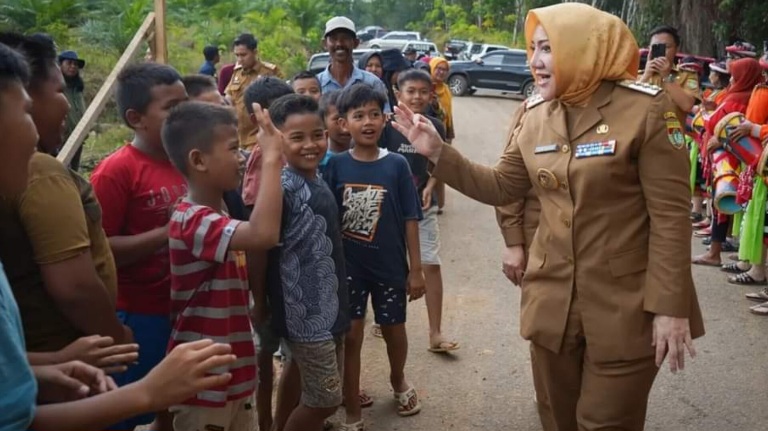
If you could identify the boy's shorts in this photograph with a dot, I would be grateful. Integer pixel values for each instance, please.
(429, 237)
(236, 415)
(151, 332)
(389, 301)
(321, 367)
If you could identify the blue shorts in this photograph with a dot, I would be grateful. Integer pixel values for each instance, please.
(151, 332)
(389, 301)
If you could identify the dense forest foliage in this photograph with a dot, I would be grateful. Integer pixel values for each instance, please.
(290, 30)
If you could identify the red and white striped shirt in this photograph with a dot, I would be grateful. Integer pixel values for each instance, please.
(209, 295)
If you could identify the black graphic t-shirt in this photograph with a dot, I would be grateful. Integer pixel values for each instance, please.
(375, 200)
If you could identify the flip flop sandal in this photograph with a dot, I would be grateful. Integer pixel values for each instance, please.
(701, 225)
(706, 241)
(761, 296)
(376, 331)
(444, 347)
(703, 233)
(703, 262)
(697, 217)
(733, 268)
(357, 426)
(744, 279)
(365, 400)
(408, 403)
(760, 310)
(729, 247)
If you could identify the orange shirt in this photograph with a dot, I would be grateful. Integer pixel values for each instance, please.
(757, 111)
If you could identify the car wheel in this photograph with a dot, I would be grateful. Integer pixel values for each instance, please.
(375, 47)
(527, 90)
(458, 85)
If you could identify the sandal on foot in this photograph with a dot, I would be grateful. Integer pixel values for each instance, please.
(760, 309)
(365, 400)
(357, 426)
(702, 224)
(444, 346)
(701, 261)
(733, 268)
(729, 247)
(734, 257)
(408, 403)
(761, 296)
(744, 279)
(703, 233)
(376, 331)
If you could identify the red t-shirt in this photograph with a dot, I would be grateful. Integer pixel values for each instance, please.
(136, 193)
(209, 295)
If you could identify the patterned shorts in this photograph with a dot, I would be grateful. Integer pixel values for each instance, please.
(321, 367)
(389, 302)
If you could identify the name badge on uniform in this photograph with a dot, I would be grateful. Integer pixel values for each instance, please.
(592, 149)
(543, 149)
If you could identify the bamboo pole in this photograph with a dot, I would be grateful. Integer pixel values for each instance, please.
(161, 43)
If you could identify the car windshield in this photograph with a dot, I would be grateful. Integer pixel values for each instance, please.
(476, 49)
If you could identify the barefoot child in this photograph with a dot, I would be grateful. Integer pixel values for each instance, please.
(380, 209)
(209, 284)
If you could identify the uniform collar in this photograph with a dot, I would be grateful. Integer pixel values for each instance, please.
(589, 116)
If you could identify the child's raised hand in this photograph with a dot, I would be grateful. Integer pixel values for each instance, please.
(269, 138)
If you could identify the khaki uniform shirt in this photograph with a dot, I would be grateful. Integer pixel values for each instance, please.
(687, 80)
(241, 79)
(612, 179)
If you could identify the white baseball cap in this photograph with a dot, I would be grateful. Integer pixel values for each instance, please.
(339, 23)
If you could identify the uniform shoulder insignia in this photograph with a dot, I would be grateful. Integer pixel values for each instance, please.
(534, 100)
(238, 67)
(642, 87)
(271, 66)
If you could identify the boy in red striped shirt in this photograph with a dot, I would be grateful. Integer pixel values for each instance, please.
(209, 288)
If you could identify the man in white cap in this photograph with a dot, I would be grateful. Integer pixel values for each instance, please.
(340, 40)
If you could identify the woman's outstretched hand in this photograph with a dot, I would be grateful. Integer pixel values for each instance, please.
(421, 133)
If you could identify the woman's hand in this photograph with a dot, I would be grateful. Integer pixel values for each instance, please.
(743, 130)
(671, 337)
(421, 133)
(713, 144)
(513, 263)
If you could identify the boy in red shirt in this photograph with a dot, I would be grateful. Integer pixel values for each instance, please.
(209, 283)
(136, 186)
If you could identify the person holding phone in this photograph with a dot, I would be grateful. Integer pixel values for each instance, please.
(660, 69)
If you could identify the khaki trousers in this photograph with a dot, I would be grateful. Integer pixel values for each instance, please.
(576, 393)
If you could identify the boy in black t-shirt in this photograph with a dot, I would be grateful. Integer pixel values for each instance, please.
(380, 209)
(413, 89)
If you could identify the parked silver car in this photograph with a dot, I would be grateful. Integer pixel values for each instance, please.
(394, 39)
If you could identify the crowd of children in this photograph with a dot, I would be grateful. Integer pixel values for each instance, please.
(168, 280)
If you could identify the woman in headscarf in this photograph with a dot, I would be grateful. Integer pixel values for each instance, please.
(392, 63)
(443, 107)
(745, 75)
(608, 292)
(371, 62)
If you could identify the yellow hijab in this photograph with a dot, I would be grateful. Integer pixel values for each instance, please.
(588, 45)
(442, 91)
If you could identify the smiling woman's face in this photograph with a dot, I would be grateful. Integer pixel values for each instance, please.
(543, 63)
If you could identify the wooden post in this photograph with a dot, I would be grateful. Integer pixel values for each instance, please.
(100, 101)
(161, 44)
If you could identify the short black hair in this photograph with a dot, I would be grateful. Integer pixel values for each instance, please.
(292, 104)
(668, 29)
(191, 126)
(248, 40)
(39, 52)
(358, 95)
(135, 83)
(414, 75)
(210, 52)
(326, 101)
(198, 84)
(13, 68)
(305, 74)
(264, 91)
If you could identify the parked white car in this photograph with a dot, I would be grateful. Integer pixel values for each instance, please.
(422, 48)
(475, 50)
(394, 39)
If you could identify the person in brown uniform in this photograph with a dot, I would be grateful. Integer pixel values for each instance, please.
(608, 291)
(248, 69)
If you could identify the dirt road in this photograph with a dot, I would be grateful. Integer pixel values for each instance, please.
(487, 384)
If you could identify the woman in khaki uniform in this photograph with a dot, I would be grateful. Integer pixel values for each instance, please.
(608, 291)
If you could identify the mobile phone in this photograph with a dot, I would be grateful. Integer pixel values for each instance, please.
(658, 50)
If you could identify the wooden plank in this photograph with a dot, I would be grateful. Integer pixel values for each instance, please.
(105, 92)
(161, 43)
